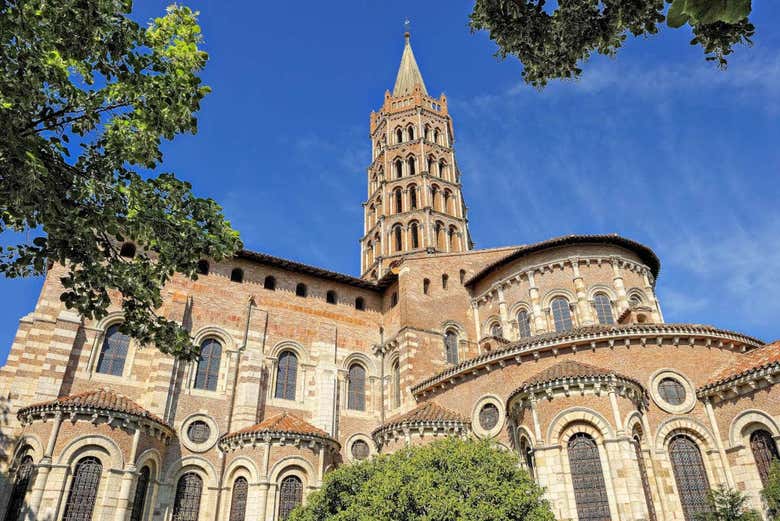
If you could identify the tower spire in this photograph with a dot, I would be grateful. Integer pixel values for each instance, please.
(409, 75)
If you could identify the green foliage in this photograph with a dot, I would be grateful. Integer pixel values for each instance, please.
(86, 97)
(771, 492)
(552, 43)
(726, 504)
(447, 480)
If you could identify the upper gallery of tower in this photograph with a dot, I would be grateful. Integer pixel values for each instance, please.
(414, 203)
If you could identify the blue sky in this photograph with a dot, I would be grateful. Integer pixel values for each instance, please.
(656, 145)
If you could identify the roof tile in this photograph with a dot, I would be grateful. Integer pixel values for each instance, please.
(754, 360)
(283, 423)
(424, 413)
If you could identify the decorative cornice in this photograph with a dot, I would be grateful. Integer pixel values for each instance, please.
(740, 384)
(239, 440)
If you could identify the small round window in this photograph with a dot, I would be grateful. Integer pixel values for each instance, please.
(488, 416)
(671, 391)
(360, 450)
(199, 432)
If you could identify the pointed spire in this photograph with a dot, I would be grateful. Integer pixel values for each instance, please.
(408, 73)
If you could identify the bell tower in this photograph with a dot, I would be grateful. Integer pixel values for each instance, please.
(415, 204)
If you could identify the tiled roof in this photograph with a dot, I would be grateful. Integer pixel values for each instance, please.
(645, 254)
(428, 412)
(99, 399)
(283, 423)
(755, 360)
(571, 369)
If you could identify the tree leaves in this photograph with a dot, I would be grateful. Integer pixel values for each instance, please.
(86, 97)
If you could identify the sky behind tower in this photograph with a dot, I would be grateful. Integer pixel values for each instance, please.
(656, 145)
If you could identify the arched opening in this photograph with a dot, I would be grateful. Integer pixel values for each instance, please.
(590, 490)
(496, 330)
(237, 275)
(412, 164)
(462, 274)
(764, 451)
(186, 504)
(360, 304)
(83, 490)
(427, 132)
(398, 196)
(444, 280)
(398, 238)
(331, 297)
(414, 233)
(399, 169)
(527, 455)
(603, 308)
(396, 373)
(394, 299)
(413, 197)
(356, 388)
(290, 496)
(286, 376)
(451, 346)
(238, 499)
(523, 324)
(430, 164)
(270, 283)
(113, 353)
(410, 132)
(399, 135)
(693, 486)
(300, 290)
(426, 286)
(127, 250)
(441, 241)
(443, 169)
(203, 267)
(453, 237)
(447, 201)
(22, 480)
(435, 198)
(207, 374)
(561, 314)
(141, 491)
(436, 136)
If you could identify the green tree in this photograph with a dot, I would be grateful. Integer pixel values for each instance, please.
(551, 43)
(86, 97)
(447, 480)
(771, 492)
(726, 504)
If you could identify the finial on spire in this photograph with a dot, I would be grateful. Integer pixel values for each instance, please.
(407, 29)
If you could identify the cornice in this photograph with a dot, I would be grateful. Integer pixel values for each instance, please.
(387, 433)
(239, 440)
(741, 384)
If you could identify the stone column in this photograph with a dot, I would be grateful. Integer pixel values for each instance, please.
(502, 311)
(620, 288)
(656, 314)
(583, 305)
(262, 501)
(724, 460)
(536, 306)
(477, 327)
(44, 468)
(123, 501)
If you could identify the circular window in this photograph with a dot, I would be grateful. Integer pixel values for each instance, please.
(671, 391)
(488, 416)
(360, 450)
(199, 432)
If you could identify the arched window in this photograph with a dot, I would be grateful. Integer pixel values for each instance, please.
(186, 505)
(451, 346)
(430, 164)
(438, 230)
(290, 496)
(410, 132)
(764, 452)
(412, 165)
(360, 304)
(444, 279)
(447, 199)
(635, 300)
(561, 314)
(237, 275)
(497, 330)
(356, 388)
(300, 289)
(396, 372)
(462, 274)
(21, 483)
(286, 376)
(443, 169)
(523, 324)
(453, 235)
(590, 490)
(413, 197)
(640, 459)
(83, 490)
(203, 267)
(436, 135)
(207, 374)
(427, 133)
(413, 231)
(399, 205)
(270, 283)
(399, 169)
(689, 475)
(603, 308)
(113, 352)
(399, 135)
(139, 499)
(127, 250)
(426, 286)
(238, 499)
(331, 297)
(398, 237)
(527, 453)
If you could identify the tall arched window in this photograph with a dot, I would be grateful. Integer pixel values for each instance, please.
(561, 314)
(590, 490)
(430, 164)
(290, 496)
(497, 330)
(438, 230)
(83, 490)
(527, 453)
(139, 499)
(186, 505)
(286, 376)
(436, 135)
(412, 197)
(331, 297)
(427, 133)
(398, 238)
(603, 308)
(412, 166)
(453, 236)
(413, 231)
(410, 132)
(113, 353)
(399, 169)
(21, 483)
(399, 135)
(640, 460)
(238, 500)
(396, 372)
(356, 388)
(444, 280)
(207, 375)
(399, 205)
(764, 452)
(447, 198)
(300, 290)
(523, 324)
(426, 286)
(443, 169)
(451, 347)
(689, 475)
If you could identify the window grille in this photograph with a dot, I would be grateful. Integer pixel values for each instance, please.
(139, 500)
(356, 396)
(603, 308)
(764, 452)
(207, 374)
(114, 352)
(690, 476)
(671, 391)
(83, 490)
(19, 491)
(238, 501)
(451, 347)
(287, 376)
(523, 324)
(186, 505)
(590, 491)
(290, 496)
(488, 416)
(643, 475)
(360, 450)
(199, 431)
(561, 314)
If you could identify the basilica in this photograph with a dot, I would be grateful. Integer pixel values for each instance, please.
(557, 351)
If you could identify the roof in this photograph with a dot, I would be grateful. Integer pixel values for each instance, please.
(283, 423)
(761, 358)
(408, 73)
(645, 254)
(100, 399)
(428, 412)
(570, 369)
(314, 271)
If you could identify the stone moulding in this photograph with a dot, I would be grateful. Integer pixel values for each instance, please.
(587, 338)
(435, 427)
(741, 384)
(239, 440)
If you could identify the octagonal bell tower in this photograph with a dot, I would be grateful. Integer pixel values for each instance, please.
(415, 203)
